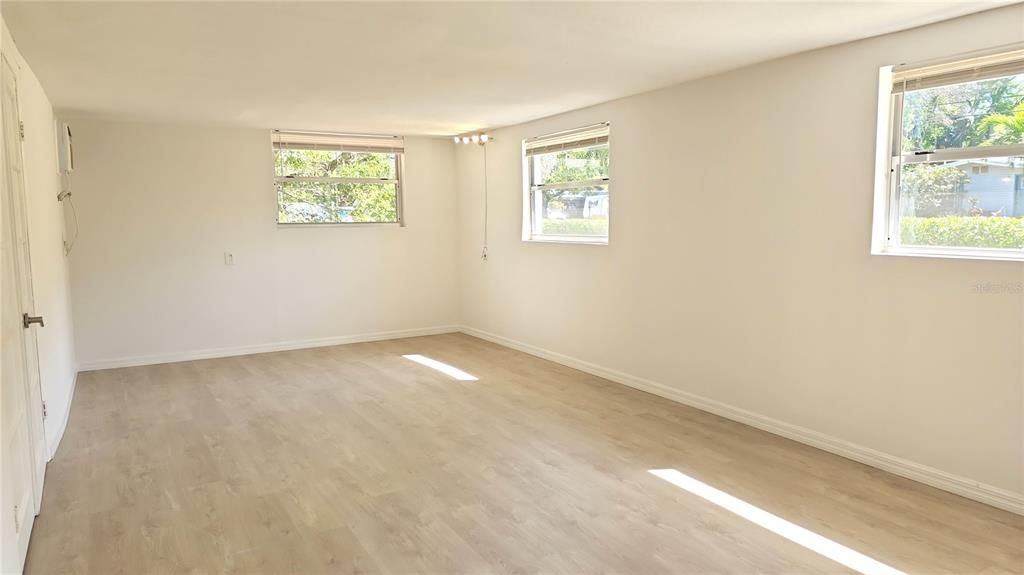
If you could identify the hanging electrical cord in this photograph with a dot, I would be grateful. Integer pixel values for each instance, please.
(69, 244)
(480, 140)
(65, 201)
(483, 254)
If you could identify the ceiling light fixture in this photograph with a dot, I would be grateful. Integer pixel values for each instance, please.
(479, 139)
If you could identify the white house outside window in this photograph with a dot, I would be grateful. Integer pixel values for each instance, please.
(951, 181)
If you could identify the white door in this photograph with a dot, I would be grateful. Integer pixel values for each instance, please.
(20, 406)
(23, 265)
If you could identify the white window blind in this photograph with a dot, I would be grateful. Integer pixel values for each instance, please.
(285, 140)
(569, 140)
(919, 77)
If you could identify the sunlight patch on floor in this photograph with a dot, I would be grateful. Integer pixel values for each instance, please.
(444, 368)
(809, 539)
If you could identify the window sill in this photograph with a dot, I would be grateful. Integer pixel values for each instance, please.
(359, 225)
(595, 241)
(1004, 255)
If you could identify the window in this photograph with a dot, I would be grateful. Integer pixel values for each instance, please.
(953, 159)
(567, 186)
(325, 178)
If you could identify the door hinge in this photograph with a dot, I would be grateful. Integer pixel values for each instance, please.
(21, 129)
(44, 410)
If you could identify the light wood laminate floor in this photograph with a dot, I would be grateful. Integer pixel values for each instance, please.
(355, 459)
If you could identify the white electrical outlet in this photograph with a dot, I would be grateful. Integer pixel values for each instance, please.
(229, 259)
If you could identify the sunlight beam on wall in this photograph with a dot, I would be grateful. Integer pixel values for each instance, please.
(795, 533)
(444, 368)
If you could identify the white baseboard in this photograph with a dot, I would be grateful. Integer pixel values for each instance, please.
(988, 494)
(54, 442)
(261, 348)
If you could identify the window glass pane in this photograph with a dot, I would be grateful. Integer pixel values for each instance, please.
(333, 164)
(985, 113)
(967, 203)
(571, 165)
(572, 212)
(322, 202)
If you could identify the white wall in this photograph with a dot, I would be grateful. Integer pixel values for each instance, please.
(159, 204)
(50, 277)
(739, 271)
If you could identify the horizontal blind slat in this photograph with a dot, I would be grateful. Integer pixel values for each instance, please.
(337, 142)
(339, 148)
(573, 145)
(988, 67)
(585, 137)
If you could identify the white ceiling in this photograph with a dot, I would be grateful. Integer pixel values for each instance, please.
(411, 68)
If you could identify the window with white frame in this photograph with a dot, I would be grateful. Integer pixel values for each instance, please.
(567, 186)
(950, 182)
(330, 178)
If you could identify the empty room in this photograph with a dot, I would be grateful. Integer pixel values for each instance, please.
(512, 287)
